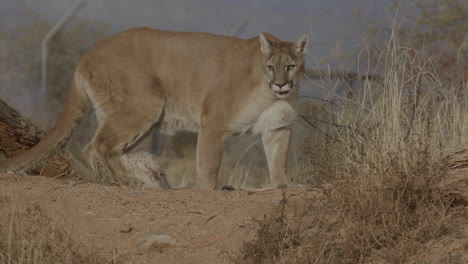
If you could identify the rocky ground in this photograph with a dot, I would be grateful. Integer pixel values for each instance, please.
(137, 225)
(189, 226)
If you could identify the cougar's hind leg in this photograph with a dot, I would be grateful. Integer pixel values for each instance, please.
(116, 134)
(127, 105)
(91, 159)
(119, 130)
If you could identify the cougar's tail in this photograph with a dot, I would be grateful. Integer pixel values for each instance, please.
(73, 114)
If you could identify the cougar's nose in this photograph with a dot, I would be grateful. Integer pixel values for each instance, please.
(280, 84)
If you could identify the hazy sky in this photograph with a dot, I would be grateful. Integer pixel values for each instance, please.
(335, 26)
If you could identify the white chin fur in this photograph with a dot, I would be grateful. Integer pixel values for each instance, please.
(282, 92)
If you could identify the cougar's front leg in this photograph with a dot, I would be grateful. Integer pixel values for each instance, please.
(274, 126)
(209, 153)
(276, 144)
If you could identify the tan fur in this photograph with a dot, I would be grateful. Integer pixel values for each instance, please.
(214, 85)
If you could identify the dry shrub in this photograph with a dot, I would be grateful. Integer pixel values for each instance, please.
(275, 237)
(29, 237)
(376, 162)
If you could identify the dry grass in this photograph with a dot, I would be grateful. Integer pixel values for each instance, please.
(243, 164)
(376, 161)
(30, 237)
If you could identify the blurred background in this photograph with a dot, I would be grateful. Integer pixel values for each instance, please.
(341, 34)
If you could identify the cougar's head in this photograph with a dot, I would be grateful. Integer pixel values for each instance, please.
(283, 64)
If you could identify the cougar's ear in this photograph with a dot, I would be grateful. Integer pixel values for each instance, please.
(301, 45)
(265, 44)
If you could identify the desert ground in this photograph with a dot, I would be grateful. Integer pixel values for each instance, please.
(109, 224)
(206, 226)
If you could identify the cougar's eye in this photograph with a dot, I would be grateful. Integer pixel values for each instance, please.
(271, 68)
(290, 67)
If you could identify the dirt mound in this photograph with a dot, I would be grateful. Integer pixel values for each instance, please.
(111, 220)
(113, 224)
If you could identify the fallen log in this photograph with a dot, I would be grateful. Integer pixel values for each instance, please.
(18, 134)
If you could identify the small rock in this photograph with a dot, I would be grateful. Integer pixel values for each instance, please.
(241, 224)
(72, 183)
(217, 245)
(209, 218)
(155, 241)
(125, 229)
(201, 212)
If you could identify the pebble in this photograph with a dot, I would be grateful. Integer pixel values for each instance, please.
(155, 241)
(72, 183)
(125, 229)
(241, 224)
(201, 212)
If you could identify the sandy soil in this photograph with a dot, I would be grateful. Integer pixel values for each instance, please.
(207, 225)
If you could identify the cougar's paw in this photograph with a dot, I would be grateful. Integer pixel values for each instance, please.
(228, 188)
(282, 186)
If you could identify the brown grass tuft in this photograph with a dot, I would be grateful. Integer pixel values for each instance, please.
(377, 158)
(29, 237)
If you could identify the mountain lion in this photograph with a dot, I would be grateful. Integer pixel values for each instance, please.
(214, 85)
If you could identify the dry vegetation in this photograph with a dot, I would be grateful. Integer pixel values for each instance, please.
(376, 156)
(377, 160)
(30, 237)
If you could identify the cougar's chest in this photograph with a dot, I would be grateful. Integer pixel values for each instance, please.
(250, 111)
